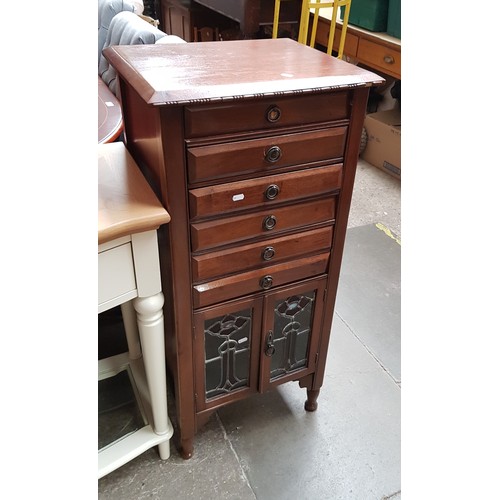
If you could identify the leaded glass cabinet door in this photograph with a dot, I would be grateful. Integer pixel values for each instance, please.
(227, 341)
(291, 331)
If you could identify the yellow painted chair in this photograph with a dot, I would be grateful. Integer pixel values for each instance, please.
(314, 7)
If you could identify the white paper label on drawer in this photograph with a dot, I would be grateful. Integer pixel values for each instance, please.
(238, 197)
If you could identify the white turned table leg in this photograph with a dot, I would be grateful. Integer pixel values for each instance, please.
(164, 449)
(150, 322)
(131, 332)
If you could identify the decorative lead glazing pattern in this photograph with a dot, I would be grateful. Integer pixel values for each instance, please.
(292, 329)
(227, 354)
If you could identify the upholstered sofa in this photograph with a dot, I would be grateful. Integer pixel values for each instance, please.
(107, 9)
(127, 28)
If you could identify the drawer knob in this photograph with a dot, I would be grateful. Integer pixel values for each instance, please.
(273, 114)
(266, 282)
(268, 253)
(269, 222)
(272, 191)
(389, 59)
(273, 154)
(270, 349)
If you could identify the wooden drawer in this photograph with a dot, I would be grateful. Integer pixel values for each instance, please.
(379, 57)
(265, 155)
(268, 252)
(259, 279)
(256, 115)
(267, 190)
(264, 223)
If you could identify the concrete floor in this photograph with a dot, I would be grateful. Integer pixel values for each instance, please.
(267, 447)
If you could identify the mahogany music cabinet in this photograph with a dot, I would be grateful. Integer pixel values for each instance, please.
(252, 147)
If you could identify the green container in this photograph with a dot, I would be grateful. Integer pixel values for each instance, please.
(394, 18)
(368, 14)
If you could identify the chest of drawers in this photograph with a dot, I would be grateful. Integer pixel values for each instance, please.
(252, 147)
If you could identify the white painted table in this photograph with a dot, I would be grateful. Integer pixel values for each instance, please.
(129, 276)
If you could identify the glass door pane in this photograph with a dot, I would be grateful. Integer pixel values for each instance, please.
(291, 332)
(227, 341)
(227, 352)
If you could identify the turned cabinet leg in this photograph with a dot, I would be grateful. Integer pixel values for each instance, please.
(311, 403)
(150, 323)
(186, 448)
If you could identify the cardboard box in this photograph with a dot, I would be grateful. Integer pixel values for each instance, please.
(383, 148)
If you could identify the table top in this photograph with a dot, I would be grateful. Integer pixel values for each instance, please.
(110, 114)
(127, 204)
(235, 69)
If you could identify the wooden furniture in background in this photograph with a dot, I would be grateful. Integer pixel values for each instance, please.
(129, 276)
(252, 146)
(378, 51)
(206, 34)
(109, 113)
(176, 18)
(251, 14)
(245, 12)
(185, 18)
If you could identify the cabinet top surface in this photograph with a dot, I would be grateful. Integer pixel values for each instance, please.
(170, 74)
(127, 205)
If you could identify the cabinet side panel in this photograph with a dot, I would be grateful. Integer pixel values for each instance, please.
(178, 270)
(155, 139)
(359, 102)
(143, 136)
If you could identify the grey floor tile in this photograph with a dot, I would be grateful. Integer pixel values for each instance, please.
(213, 473)
(348, 449)
(369, 293)
(376, 198)
(396, 496)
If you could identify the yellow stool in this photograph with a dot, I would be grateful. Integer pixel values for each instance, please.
(315, 6)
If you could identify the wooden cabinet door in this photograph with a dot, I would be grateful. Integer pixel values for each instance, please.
(227, 347)
(246, 346)
(176, 19)
(290, 334)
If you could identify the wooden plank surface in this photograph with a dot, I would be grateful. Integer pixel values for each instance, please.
(127, 205)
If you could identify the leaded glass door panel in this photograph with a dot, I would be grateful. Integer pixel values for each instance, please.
(290, 334)
(227, 341)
